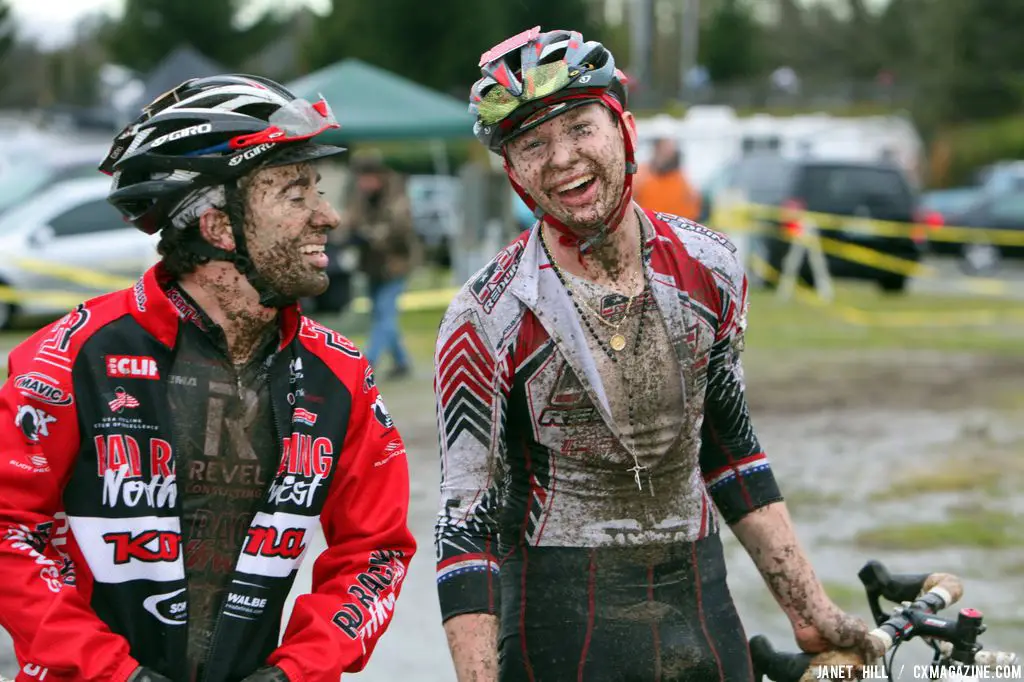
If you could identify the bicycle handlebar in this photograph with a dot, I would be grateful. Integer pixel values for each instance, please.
(930, 592)
(897, 588)
(777, 665)
(957, 640)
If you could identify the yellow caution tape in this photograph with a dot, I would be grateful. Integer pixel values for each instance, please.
(75, 275)
(875, 259)
(746, 218)
(894, 318)
(57, 298)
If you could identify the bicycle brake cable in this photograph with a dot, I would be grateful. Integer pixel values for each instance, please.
(887, 664)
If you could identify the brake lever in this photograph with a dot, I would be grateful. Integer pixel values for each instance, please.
(897, 588)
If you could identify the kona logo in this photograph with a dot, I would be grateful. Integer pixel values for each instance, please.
(268, 541)
(183, 133)
(250, 153)
(149, 546)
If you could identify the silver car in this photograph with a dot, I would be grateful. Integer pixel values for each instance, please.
(65, 244)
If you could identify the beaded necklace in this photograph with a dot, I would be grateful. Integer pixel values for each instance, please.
(608, 349)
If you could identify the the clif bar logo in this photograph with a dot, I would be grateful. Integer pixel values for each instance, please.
(132, 367)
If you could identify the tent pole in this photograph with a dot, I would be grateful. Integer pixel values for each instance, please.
(439, 150)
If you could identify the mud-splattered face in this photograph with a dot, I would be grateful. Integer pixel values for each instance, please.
(574, 166)
(287, 221)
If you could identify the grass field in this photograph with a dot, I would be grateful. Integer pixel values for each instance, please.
(903, 324)
(798, 326)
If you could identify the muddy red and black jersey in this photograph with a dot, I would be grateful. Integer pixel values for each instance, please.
(92, 578)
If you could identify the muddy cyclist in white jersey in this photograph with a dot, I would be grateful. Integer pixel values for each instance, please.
(591, 405)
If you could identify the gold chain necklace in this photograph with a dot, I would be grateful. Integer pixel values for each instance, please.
(617, 341)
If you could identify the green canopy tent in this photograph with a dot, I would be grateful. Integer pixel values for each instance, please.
(373, 104)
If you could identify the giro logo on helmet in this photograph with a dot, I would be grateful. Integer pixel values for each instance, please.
(183, 133)
(250, 153)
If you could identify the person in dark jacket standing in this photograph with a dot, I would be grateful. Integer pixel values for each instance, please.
(169, 450)
(379, 219)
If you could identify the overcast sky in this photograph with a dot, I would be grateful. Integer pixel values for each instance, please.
(52, 22)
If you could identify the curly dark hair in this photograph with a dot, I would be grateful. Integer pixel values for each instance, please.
(175, 247)
(179, 257)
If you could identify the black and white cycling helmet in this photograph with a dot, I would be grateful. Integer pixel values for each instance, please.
(204, 134)
(533, 77)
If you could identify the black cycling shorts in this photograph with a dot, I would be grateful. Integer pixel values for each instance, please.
(645, 614)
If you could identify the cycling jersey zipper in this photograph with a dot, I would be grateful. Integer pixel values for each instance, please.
(270, 482)
(224, 597)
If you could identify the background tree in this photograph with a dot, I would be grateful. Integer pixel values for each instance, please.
(150, 29)
(436, 44)
(728, 42)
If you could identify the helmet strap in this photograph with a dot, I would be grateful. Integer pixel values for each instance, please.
(614, 218)
(234, 207)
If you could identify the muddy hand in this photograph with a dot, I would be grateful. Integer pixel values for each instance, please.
(831, 628)
(850, 661)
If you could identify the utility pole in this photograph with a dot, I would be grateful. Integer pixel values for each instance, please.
(689, 38)
(641, 44)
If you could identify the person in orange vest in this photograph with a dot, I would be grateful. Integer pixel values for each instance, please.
(660, 185)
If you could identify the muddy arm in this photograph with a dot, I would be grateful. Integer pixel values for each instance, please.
(768, 536)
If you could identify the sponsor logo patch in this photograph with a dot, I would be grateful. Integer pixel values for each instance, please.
(380, 412)
(122, 401)
(132, 367)
(42, 388)
(33, 422)
(170, 608)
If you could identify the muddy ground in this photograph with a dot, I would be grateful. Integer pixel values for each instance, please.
(912, 458)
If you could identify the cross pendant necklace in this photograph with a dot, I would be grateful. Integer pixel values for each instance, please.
(635, 470)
